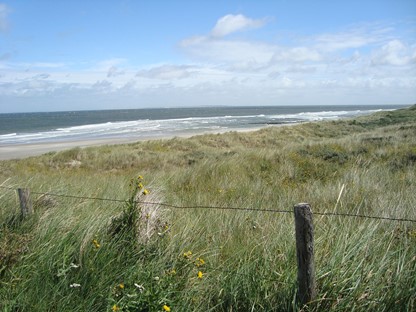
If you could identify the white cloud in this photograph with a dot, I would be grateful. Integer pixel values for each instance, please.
(29, 87)
(395, 53)
(36, 65)
(46, 65)
(229, 24)
(234, 54)
(195, 40)
(166, 72)
(339, 43)
(105, 65)
(41, 76)
(244, 55)
(336, 42)
(102, 85)
(248, 56)
(4, 12)
(301, 69)
(352, 38)
(113, 71)
(229, 50)
(129, 86)
(296, 54)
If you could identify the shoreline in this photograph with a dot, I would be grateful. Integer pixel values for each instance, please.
(21, 151)
(13, 150)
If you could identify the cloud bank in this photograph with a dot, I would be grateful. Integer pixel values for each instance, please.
(362, 64)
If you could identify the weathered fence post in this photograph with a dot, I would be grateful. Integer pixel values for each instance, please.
(25, 202)
(305, 253)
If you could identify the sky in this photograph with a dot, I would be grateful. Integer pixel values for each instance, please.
(78, 55)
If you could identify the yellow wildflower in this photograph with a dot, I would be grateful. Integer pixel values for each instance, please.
(121, 286)
(140, 177)
(140, 185)
(200, 274)
(115, 308)
(95, 243)
(170, 272)
(145, 192)
(187, 254)
(199, 262)
(166, 308)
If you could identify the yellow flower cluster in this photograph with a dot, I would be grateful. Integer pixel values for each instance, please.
(199, 262)
(166, 308)
(137, 185)
(187, 254)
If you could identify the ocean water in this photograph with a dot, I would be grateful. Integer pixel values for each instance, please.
(28, 128)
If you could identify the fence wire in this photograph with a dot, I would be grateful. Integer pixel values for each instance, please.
(333, 214)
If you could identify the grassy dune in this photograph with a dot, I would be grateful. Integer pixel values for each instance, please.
(93, 255)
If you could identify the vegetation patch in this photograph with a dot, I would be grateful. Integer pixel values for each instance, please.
(193, 230)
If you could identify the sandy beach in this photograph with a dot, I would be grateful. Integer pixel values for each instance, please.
(19, 151)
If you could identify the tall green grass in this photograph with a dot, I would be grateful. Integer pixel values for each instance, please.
(94, 255)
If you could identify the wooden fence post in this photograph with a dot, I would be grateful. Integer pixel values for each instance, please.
(305, 253)
(25, 202)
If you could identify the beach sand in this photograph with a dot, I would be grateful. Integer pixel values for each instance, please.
(19, 151)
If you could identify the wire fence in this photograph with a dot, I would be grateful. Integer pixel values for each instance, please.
(333, 214)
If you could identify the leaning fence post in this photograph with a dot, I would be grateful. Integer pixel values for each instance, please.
(25, 202)
(305, 253)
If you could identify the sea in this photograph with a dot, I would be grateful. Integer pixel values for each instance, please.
(154, 123)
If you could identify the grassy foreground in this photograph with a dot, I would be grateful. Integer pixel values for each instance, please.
(92, 255)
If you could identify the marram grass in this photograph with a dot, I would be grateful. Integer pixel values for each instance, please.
(93, 255)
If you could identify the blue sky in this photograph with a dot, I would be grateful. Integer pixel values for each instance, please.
(72, 55)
